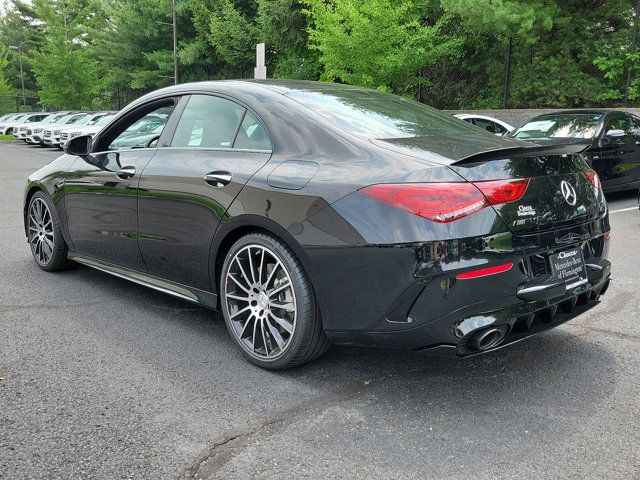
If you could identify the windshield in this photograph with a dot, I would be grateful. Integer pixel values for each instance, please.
(560, 126)
(76, 119)
(379, 115)
(56, 118)
(103, 120)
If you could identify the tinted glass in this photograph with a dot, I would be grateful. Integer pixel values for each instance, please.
(75, 119)
(560, 126)
(380, 115)
(55, 118)
(141, 132)
(208, 122)
(618, 122)
(635, 126)
(251, 134)
(489, 126)
(103, 120)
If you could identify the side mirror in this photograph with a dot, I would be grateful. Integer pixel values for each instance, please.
(79, 146)
(616, 133)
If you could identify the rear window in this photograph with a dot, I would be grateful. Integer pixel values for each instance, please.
(560, 126)
(380, 115)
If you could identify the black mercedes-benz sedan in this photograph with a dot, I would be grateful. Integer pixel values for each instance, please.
(611, 141)
(311, 213)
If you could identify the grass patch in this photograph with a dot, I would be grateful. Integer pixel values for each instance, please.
(7, 138)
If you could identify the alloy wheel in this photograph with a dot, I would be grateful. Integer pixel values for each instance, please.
(41, 231)
(260, 301)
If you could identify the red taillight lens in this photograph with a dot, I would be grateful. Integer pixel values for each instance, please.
(439, 202)
(446, 202)
(593, 178)
(503, 191)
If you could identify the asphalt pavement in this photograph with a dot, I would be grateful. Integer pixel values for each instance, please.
(104, 379)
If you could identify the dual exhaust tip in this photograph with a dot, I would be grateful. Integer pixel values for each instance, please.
(487, 338)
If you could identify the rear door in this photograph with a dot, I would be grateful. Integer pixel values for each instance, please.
(101, 192)
(186, 189)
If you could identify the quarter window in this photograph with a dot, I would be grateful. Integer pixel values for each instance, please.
(208, 122)
(251, 134)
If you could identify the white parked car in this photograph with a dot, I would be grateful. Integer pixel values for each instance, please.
(6, 127)
(490, 124)
(7, 116)
(93, 126)
(20, 129)
(34, 132)
(48, 134)
(88, 118)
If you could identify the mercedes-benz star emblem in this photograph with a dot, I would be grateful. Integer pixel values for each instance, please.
(568, 192)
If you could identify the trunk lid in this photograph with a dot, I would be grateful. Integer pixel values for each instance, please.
(558, 194)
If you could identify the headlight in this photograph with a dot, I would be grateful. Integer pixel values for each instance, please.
(37, 130)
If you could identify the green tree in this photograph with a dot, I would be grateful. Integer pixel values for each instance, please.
(617, 53)
(17, 29)
(66, 73)
(375, 43)
(6, 103)
(283, 28)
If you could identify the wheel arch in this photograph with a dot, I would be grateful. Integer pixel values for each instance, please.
(232, 230)
(31, 191)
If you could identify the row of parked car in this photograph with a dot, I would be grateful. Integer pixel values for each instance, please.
(52, 128)
(611, 140)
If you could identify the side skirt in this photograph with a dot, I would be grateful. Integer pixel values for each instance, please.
(190, 294)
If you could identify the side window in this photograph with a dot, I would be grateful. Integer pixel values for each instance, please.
(499, 129)
(208, 122)
(141, 132)
(251, 134)
(617, 122)
(487, 125)
(635, 126)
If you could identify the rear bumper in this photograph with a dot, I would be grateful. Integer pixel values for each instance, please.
(450, 334)
(438, 311)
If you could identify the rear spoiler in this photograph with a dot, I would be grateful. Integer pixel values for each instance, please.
(533, 151)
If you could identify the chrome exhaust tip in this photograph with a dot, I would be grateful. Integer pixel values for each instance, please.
(487, 338)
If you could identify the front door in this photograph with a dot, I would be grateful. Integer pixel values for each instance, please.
(101, 189)
(188, 186)
(619, 162)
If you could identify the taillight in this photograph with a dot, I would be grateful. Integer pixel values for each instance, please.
(446, 202)
(593, 179)
(503, 191)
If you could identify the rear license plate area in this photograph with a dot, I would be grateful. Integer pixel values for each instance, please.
(568, 266)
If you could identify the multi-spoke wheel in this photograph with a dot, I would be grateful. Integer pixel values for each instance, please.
(43, 231)
(268, 303)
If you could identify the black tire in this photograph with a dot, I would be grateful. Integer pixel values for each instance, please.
(57, 259)
(307, 340)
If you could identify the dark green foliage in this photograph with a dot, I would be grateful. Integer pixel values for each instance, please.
(447, 53)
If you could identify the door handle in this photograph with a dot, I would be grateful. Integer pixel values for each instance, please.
(218, 179)
(125, 173)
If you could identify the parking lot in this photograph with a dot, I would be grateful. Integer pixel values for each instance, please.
(101, 378)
